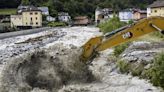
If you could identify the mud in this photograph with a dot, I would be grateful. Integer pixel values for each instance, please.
(45, 70)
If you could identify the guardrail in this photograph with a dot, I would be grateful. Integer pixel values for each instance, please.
(22, 32)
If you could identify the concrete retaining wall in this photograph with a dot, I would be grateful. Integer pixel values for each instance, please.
(22, 32)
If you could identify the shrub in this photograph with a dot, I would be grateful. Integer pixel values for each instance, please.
(156, 72)
(158, 34)
(111, 25)
(120, 48)
(56, 24)
(123, 66)
(136, 70)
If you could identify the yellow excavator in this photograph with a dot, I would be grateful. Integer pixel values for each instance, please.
(121, 35)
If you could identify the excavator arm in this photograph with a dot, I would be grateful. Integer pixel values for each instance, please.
(119, 36)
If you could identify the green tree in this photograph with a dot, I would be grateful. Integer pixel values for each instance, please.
(78, 7)
(25, 2)
(111, 25)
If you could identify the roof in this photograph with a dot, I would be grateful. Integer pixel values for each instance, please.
(104, 9)
(140, 11)
(63, 14)
(143, 11)
(22, 7)
(81, 17)
(127, 10)
(16, 16)
(31, 8)
(107, 9)
(43, 9)
(156, 4)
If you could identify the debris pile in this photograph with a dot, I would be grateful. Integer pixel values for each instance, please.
(45, 70)
(49, 62)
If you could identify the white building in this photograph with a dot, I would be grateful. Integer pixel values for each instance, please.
(102, 15)
(126, 15)
(16, 20)
(50, 19)
(64, 17)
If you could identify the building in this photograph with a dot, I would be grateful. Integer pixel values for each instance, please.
(139, 14)
(32, 17)
(5, 14)
(45, 10)
(64, 17)
(16, 20)
(126, 15)
(156, 9)
(50, 19)
(29, 17)
(102, 15)
(81, 20)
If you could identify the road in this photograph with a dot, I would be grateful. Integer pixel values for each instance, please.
(23, 32)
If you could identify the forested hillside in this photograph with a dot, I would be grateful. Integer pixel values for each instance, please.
(79, 7)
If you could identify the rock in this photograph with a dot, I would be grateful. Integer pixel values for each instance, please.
(142, 52)
(148, 66)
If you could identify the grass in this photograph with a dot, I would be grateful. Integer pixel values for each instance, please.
(56, 24)
(7, 11)
(123, 66)
(152, 37)
(136, 70)
(120, 48)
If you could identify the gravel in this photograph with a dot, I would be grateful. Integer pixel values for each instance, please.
(49, 62)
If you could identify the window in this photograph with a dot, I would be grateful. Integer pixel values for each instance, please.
(26, 23)
(31, 13)
(36, 23)
(31, 18)
(36, 18)
(31, 23)
(36, 13)
(155, 10)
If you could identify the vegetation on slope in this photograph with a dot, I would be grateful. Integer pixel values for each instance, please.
(111, 25)
(7, 11)
(156, 72)
(79, 7)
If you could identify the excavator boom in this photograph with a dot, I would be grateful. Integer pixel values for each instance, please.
(119, 36)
